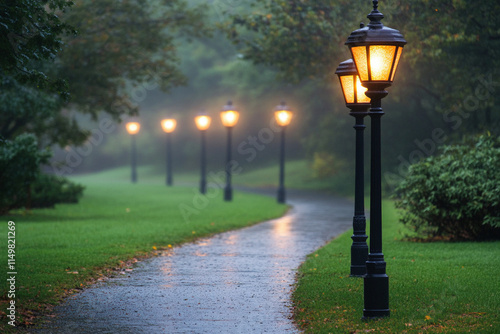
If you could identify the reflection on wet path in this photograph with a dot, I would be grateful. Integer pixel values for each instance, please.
(235, 282)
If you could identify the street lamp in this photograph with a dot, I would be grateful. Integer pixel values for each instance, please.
(376, 51)
(169, 126)
(283, 116)
(133, 128)
(358, 102)
(229, 117)
(203, 123)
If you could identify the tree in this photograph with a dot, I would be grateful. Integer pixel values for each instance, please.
(446, 77)
(31, 31)
(122, 49)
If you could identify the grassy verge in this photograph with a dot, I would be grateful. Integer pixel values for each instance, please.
(62, 249)
(434, 287)
(298, 175)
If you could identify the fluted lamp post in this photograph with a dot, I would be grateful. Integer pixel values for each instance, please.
(356, 100)
(168, 126)
(376, 51)
(283, 116)
(229, 117)
(203, 123)
(133, 129)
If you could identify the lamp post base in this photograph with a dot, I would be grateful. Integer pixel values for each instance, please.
(376, 288)
(281, 196)
(228, 194)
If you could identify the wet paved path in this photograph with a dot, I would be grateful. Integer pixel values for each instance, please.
(234, 282)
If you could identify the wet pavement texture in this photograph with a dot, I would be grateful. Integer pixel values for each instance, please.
(235, 282)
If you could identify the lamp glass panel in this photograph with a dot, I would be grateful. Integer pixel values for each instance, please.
(203, 122)
(133, 128)
(381, 58)
(359, 56)
(398, 56)
(347, 82)
(361, 97)
(229, 118)
(169, 125)
(283, 117)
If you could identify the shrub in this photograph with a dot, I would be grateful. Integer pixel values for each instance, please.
(23, 185)
(456, 194)
(326, 165)
(19, 166)
(48, 190)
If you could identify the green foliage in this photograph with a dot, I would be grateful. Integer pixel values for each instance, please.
(19, 165)
(25, 109)
(124, 49)
(48, 190)
(325, 165)
(31, 31)
(455, 194)
(300, 38)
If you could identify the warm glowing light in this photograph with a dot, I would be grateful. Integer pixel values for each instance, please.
(381, 59)
(283, 117)
(359, 57)
(133, 127)
(360, 92)
(169, 125)
(202, 122)
(396, 63)
(377, 62)
(354, 93)
(229, 118)
(347, 83)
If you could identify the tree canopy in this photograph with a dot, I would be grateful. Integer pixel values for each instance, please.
(30, 32)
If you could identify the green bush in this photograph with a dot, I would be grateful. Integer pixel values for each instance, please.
(456, 194)
(20, 162)
(21, 182)
(48, 190)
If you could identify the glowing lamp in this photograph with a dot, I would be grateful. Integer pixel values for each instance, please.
(133, 127)
(203, 122)
(376, 50)
(229, 115)
(354, 93)
(283, 114)
(168, 125)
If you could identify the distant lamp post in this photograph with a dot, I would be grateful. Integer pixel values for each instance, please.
(283, 116)
(133, 129)
(356, 100)
(376, 51)
(203, 123)
(229, 117)
(168, 126)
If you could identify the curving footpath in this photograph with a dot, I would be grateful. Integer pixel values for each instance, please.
(235, 282)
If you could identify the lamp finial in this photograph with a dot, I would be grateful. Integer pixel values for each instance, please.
(375, 17)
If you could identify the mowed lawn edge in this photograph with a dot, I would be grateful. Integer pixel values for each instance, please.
(62, 250)
(435, 287)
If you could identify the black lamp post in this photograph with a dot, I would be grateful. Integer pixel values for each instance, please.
(168, 126)
(358, 102)
(376, 51)
(203, 123)
(229, 117)
(283, 116)
(133, 128)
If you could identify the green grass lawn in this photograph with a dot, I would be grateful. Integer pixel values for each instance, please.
(298, 175)
(434, 287)
(65, 248)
